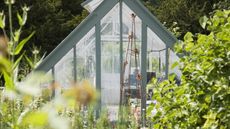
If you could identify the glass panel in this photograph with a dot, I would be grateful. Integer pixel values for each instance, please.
(127, 23)
(131, 52)
(86, 63)
(110, 62)
(64, 70)
(156, 56)
(110, 57)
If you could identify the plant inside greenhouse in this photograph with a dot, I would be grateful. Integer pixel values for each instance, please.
(114, 64)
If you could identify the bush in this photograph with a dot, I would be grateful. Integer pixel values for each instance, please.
(203, 98)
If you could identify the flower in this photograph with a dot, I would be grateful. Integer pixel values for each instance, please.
(9, 1)
(25, 8)
(83, 93)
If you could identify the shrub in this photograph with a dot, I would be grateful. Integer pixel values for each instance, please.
(203, 98)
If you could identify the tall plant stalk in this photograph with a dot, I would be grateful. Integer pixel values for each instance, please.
(11, 26)
(12, 57)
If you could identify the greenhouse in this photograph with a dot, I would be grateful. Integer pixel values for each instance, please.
(119, 47)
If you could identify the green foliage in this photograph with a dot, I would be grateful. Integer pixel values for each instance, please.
(35, 60)
(186, 13)
(2, 20)
(22, 43)
(202, 99)
(53, 20)
(11, 45)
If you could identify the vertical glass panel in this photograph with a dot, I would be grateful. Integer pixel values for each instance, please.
(156, 56)
(64, 70)
(110, 61)
(128, 23)
(131, 52)
(85, 58)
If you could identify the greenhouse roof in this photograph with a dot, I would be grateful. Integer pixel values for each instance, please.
(98, 12)
(90, 5)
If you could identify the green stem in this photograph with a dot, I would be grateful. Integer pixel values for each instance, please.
(11, 27)
(12, 58)
(10, 20)
(4, 32)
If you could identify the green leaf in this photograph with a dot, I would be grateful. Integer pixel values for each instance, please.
(39, 62)
(16, 63)
(29, 61)
(224, 35)
(35, 119)
(149, 110)
(24, 17)
(9, 83)
(180, 91)
(203, 21)
(172, 77)
(22, 43)
(219, 13)
(201, 38)
(5, 64)
(188, 37)
(157, 126)
(20, 20)
(174, 65)
(2, 20)
(210, 120)
(17, 35)
(208, 99)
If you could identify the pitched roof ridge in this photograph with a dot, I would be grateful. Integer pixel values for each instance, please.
(91, 7)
